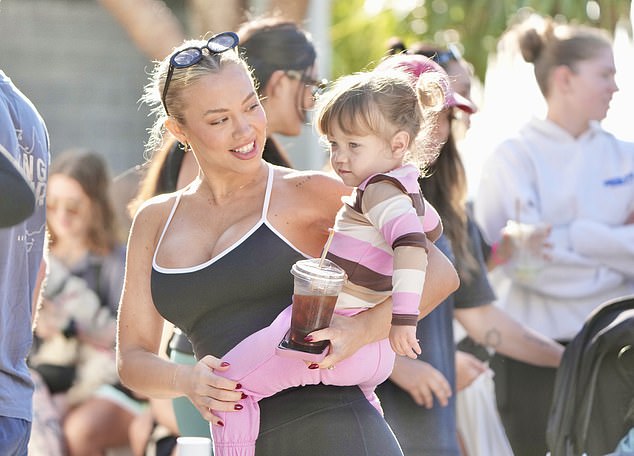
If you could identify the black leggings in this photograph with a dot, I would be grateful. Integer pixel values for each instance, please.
(320, 420)
(524, 395)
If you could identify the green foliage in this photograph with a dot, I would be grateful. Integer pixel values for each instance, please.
(360, 38)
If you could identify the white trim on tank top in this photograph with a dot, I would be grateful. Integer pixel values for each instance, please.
(262, 221)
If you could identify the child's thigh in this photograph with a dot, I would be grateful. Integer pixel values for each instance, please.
(371, 364)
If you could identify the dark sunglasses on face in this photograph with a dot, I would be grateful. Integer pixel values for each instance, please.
(185, 58)
(316, 86)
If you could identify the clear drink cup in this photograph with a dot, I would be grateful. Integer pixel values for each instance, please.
(528, 241)
(315, 292)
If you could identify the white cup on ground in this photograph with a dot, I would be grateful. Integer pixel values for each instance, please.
(193, 446)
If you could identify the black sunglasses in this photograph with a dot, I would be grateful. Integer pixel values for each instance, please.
(317, 86)
(184, 58)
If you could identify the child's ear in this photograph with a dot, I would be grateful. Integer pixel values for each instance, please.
(400, 143)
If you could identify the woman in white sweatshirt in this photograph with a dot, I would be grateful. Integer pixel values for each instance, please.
(565, 172)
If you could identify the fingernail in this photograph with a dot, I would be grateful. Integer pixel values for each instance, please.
(224, 364)
(220, 423)
(308, 338)
(313, 366)
(237, 407)
(238, 386)
(244, 396)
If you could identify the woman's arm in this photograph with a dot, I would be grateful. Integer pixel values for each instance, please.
(490, 326)
(348, 334)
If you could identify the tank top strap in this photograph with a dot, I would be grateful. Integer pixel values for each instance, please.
(167, 223)
(267, 193)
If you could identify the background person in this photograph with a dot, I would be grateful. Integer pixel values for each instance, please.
(237, 206)
(564, 171)
(421, 392)
(78, 317)
(24, 141)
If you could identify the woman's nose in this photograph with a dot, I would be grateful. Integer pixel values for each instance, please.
(242, 126)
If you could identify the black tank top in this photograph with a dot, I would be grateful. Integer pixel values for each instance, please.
(236, 293)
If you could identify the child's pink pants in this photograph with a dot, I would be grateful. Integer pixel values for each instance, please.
(262, 373)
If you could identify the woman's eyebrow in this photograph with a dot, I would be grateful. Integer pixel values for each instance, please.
(218, 110)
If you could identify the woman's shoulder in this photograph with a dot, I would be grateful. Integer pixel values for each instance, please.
(311, 180)
(153, 212)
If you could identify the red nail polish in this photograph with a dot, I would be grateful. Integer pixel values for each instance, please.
(244, 396)
(308, 338)
(220, 423)
(313, 366)
(238, 386)
(224, 364)
(237, 407)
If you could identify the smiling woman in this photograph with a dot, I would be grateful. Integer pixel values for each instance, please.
(214, 259)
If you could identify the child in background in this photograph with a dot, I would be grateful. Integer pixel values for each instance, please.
(372, 122)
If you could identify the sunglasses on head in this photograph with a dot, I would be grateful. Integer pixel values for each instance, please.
(185, 58)
(317, 86)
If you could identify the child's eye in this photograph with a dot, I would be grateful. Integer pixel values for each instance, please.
(353, 145)
(254, 106)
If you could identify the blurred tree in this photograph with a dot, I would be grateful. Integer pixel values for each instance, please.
(361, 28)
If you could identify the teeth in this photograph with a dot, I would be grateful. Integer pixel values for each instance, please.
(244, 149)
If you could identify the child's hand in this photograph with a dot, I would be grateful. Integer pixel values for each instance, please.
(403, 341)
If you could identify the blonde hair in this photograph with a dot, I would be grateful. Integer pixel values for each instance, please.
(181, 79)
(382, 103)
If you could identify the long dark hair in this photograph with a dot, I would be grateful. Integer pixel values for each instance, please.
(270, 44)
(445, 188)
(90, 170)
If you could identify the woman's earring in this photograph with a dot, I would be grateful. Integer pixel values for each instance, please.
(188, 148)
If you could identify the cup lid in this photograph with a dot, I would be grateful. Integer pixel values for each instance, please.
(310, 270)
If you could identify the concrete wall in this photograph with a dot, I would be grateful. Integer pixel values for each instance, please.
(77, 65)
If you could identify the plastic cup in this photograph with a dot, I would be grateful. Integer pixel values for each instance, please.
(314, 297)
(193, 446)
(528, 256)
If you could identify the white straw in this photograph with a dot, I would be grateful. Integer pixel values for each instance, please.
(331, 232)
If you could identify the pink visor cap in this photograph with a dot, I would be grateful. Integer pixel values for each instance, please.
(415, 65)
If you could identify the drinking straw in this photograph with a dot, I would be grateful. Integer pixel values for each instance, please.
(331, 232)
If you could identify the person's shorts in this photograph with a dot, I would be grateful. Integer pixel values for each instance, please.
(123, 397)
(14, 436)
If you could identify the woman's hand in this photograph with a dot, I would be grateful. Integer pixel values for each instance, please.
(208, 391)
(346, 336)
(422, 381)
(468, 368)
(51, 320)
